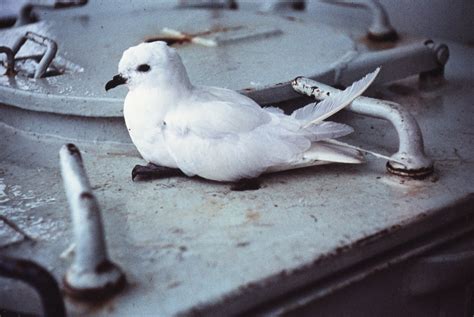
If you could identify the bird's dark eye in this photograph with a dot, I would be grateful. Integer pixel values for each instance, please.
(143, 68)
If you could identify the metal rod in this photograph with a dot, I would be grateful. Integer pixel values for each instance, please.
(49, 54)
(380, 28)
(13, 225)
(92, 274)
(411, 147)
(10, 61)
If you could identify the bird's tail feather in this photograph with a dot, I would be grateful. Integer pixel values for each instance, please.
(335, 142)
(322, 153)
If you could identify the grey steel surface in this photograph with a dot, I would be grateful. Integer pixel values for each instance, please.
(188, 245)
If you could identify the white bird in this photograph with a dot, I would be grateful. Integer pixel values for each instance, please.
(217, 133)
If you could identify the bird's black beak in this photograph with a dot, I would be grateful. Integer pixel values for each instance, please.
(116, 81)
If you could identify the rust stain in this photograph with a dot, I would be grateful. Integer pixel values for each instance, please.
(177, 230)
(252, 216)
(95, 297)
(104, 266)
(377, 45)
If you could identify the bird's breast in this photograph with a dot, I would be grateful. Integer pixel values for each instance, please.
(145, 121)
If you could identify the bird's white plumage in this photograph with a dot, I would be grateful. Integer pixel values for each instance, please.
(218, 133)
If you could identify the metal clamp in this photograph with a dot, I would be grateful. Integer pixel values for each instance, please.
(435, 78)
(40, 279)
(48, 56)
(380, 29)
(92, 275)
(411, 149)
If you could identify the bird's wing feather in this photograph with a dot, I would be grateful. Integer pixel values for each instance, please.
(232, 156)
(317, 112)
(328, 130)
(216, 112)
(321, 153)
(223, 141)
(217, 119)
(339, 143)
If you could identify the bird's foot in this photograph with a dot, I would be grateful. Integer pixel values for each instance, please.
(246, 184)
(153, 171)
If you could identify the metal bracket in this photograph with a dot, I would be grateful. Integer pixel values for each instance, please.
(435, 78)
(92, 275)
(48, 56)
(380, 30)
(411, 149)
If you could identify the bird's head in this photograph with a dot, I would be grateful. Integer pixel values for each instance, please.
(152, 64)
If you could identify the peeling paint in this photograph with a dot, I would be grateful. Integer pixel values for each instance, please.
(15, 204)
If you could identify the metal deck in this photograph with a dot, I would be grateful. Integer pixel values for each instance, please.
(191, 247)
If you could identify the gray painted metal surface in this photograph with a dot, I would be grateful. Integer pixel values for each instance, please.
(190, 246)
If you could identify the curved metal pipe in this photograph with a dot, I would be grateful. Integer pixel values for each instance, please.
(40, 279)
(411, 148)
(10, 61)
(380, 28)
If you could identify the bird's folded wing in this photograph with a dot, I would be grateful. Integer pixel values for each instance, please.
(217, 119)
(225, 142)
(328, 130)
